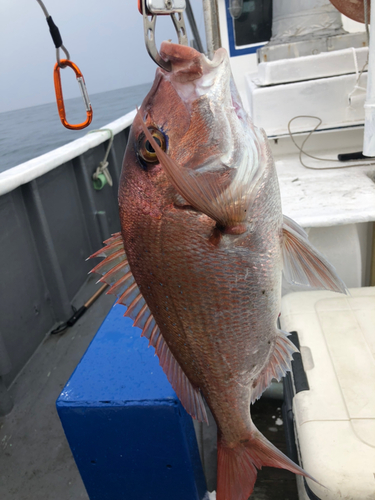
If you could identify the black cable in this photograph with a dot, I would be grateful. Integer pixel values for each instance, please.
(341, 157)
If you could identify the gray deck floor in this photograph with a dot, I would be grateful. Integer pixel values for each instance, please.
(35, 459)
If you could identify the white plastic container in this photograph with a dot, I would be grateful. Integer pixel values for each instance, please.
(323, 65)
(272, 107)
(335, 419)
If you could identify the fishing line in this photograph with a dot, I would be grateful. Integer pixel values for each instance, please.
(302, 151)
(55, 33)
(43, 8)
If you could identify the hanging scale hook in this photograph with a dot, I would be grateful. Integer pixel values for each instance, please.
(154, 8)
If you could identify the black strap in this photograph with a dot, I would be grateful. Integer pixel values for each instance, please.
(301, 382)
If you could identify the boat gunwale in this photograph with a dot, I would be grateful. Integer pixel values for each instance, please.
(25, 172)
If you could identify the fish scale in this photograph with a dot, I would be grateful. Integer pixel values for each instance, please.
(190, 269)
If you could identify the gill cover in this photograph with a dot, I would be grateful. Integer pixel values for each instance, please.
(229, 206)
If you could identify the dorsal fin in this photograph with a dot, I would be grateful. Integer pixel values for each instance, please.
(110, 262)
(189, 396)
(113, 238)
(108, 250)
(142, 317)
(278, 364)
(116, 272)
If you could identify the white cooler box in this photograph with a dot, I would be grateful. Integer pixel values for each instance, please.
(330, 396)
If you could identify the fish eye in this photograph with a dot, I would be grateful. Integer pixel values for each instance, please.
(145, 150)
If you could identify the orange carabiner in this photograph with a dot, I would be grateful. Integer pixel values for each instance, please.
(60, 98)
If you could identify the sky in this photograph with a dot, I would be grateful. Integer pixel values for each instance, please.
(105, 40)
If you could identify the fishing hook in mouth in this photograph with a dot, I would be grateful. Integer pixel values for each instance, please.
(149, 30)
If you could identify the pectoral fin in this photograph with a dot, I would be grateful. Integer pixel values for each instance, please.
(303, 264)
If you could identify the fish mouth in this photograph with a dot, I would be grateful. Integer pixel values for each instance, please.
(187, 63)
(193, 74)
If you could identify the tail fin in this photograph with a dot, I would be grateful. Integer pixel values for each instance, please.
(238, 466)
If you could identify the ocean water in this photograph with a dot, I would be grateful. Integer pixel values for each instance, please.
(30, 132)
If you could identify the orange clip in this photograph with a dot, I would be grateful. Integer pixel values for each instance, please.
(60, 98)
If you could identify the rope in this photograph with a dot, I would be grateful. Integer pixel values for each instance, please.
(103, 165)
(359, 74)
(110, 140)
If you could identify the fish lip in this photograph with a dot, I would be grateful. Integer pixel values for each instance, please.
(183, 56)
(193, 75)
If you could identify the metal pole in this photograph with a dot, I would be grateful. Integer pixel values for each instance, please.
(193, 26)
(211, 22)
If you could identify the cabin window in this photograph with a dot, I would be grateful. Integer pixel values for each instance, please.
(254, 24)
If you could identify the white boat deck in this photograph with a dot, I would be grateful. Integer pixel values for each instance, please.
(320, 198)
(329, 193)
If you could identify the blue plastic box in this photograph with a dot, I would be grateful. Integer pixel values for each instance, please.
(129, 434)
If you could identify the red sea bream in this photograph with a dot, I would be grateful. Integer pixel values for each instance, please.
(201, 251)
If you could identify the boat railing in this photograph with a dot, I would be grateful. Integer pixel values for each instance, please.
(29, 170)
(52, 219)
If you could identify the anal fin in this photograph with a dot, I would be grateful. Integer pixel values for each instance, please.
(277, 366)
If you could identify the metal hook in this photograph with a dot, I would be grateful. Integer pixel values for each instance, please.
(149, 34)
